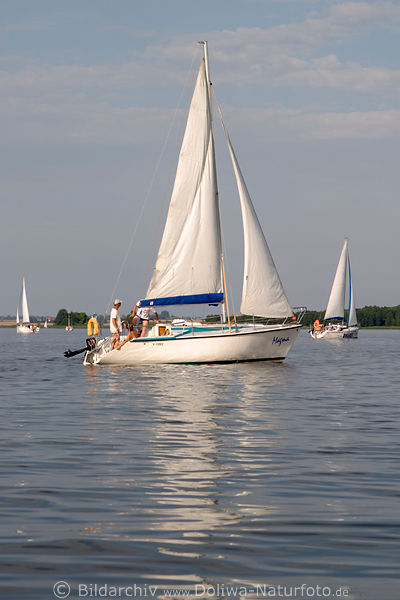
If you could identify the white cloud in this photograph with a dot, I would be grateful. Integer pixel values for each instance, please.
(100, 102)
(384, 13)
(282, 124)
(329, 72)
(273, 70)
(21, 27)
(105, 77)
(353, 125)
(83, 120)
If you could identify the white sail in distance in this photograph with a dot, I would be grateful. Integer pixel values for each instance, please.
(25, 311)
(335, 307)
(189, 257)
(352, 317)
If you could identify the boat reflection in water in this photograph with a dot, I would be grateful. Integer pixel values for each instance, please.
(190, 466)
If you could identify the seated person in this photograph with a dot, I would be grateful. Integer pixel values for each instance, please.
(140, 320)
(132, 333)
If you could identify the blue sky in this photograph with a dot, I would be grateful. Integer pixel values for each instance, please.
(92, 106)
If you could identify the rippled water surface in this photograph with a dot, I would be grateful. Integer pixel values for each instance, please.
(196, 478)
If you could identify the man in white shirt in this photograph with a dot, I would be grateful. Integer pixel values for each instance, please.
(115, 323)
(141, 316)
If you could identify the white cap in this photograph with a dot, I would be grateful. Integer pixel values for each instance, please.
(117, 301)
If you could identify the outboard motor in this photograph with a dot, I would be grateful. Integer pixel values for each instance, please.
(90, 345)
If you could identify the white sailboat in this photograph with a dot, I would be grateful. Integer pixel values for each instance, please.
(334, 325)
(189, 268)
(68, 326)
(24, 325)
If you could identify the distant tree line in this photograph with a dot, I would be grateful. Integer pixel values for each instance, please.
(77, 318)
(369, 316)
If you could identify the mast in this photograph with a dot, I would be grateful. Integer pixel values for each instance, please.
(207, 65)
(205, 50)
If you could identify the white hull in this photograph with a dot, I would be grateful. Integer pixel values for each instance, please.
(245, 344)
(25, 329)
(334, 334)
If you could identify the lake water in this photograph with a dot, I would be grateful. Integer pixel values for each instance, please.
(255, 480)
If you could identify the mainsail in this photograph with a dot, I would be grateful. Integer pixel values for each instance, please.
(25, 311)
(188, 265)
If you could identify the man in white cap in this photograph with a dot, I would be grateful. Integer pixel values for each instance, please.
(115, 323)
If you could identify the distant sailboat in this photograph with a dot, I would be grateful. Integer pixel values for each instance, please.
(334, 325)
(24, 325)
(69, 326)
(189, 268)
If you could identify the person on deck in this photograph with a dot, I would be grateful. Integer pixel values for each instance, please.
(140, 317)
(115, 323)
(132, 333)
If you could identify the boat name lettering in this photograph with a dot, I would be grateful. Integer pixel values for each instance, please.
(279, 340)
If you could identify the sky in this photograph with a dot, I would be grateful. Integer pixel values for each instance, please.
(93, 101)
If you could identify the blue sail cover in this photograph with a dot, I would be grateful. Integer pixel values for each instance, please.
(177, 300)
